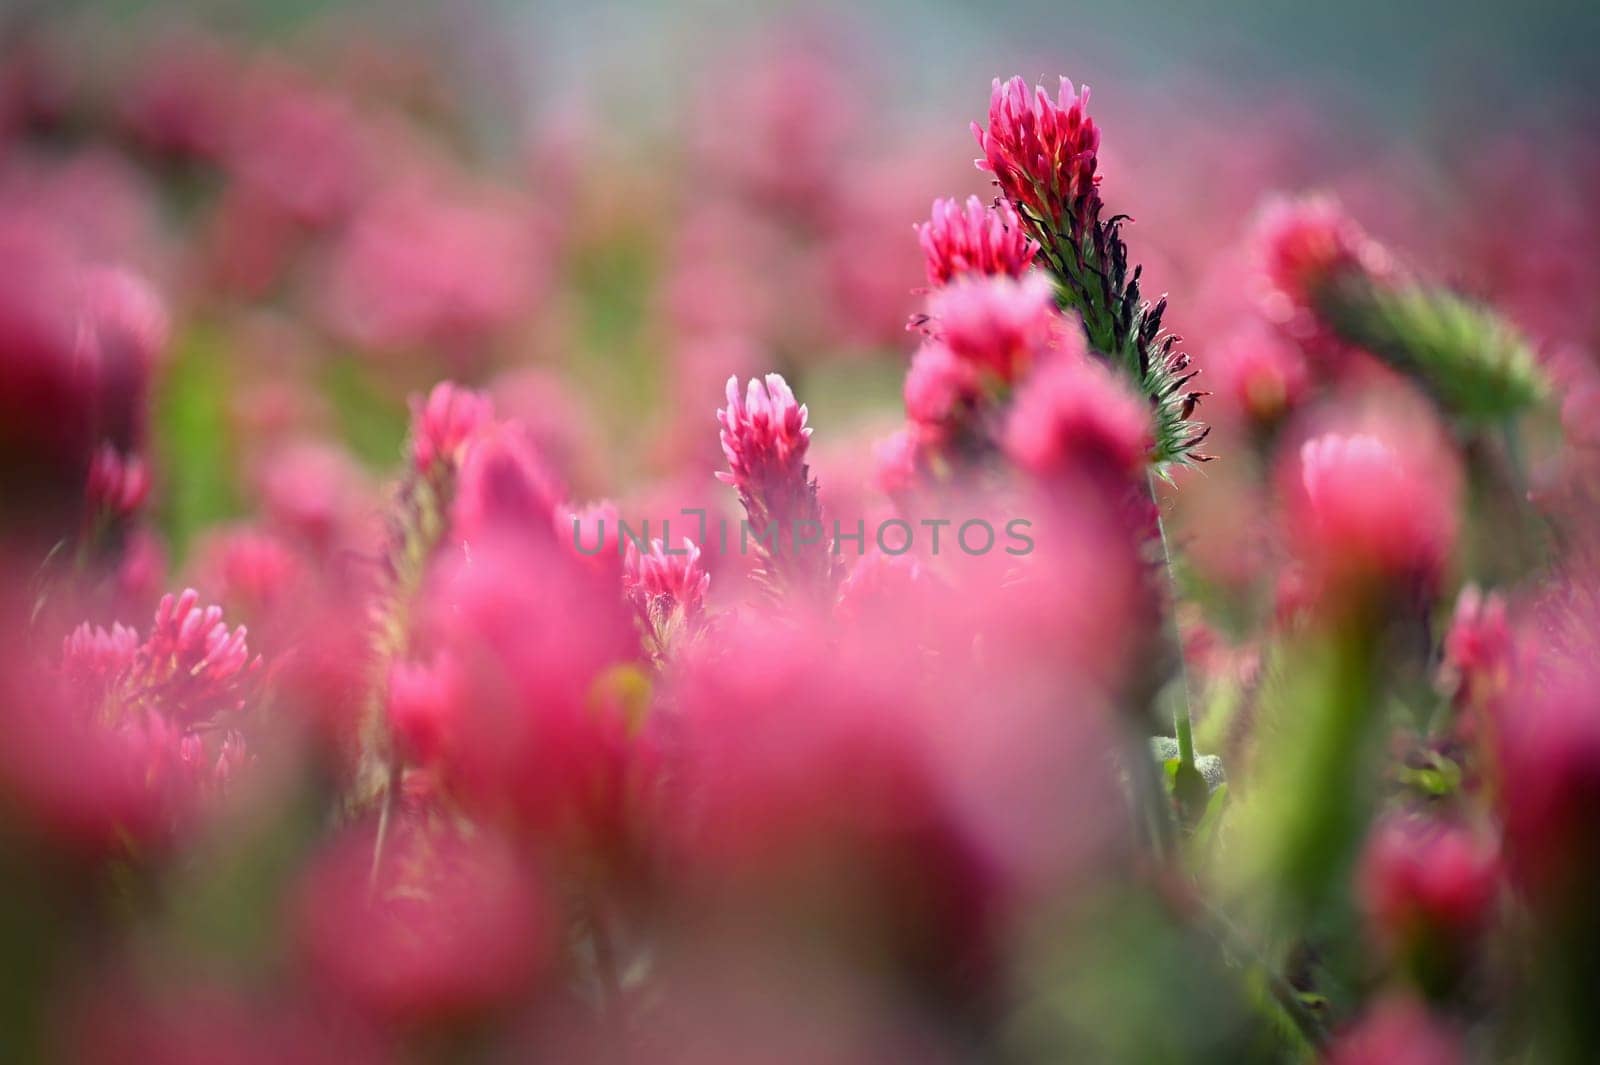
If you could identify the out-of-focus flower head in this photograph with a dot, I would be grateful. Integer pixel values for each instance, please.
(1043, 153)
(1370, 512)
(118, 483)
(1263, 373)
(252, 570)
(974, 239)
(315, 490)
(999, 324)
(943, 392)
(503, 484)
(1548, 747)
(443, 931)
(297, 147)
(1073, 415)
(426, 701)
(444, 422)
(1303, 246)
(1398, 1030)
(1479, 650)
(1428, 888)
(425, 269)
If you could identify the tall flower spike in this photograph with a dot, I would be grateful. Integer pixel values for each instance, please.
(765, 438)
(974, 239)
(1044, 155)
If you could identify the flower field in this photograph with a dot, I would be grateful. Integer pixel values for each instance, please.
(735, 582)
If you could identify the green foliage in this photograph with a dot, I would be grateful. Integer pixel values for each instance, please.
(1475, 364)
(193, 440)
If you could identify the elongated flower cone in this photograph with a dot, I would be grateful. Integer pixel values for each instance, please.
(974, 240)
(445, 422)
(1044, 155)
(1331, 286)
(765, 439)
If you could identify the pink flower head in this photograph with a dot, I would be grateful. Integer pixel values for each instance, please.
(942, 391)
(974, 240)
(1427, 887)
(426, 701)
(448, 930)
(676, 578)
(999, 324)
(1398, 1031)
(93, 658)
(1043, 153)
(503, 484)
(1549, 759)
(897, 460)
(1262, 372)
(118, 483)
(1074, 415)
(1479, 649)
(250, 570)
(765, 438)
(444, 422)
(1371, 511)
(192, 662)
(1303, 246)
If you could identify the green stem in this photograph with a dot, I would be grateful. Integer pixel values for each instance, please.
(1183, 720)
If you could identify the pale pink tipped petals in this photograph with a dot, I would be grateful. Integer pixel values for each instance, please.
(670, 578)
(192, 662)
(1043, 153)
(1075, 415)
(764, 435)
(443, 423)
(999, 324)
(974, 239)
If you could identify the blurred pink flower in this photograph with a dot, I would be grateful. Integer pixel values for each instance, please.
(1303, 246)
(1368, 510)
(443, 932)
(974, 239)
(426, 702)
(1428, 887)
(1043, 153)
(1074, 415)
(998, 324)
(118, 484)
(1260, 371)
(942, 391)
(1398, 1030)
(443, 423)
(1480, 649)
